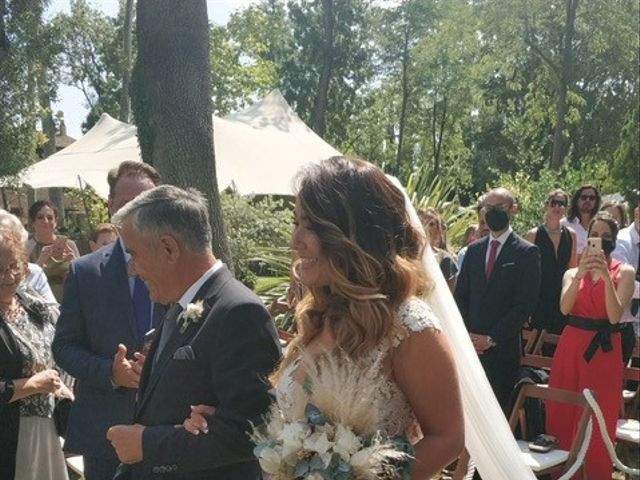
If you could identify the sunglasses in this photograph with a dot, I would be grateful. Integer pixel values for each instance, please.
(558, 203)
(588, 197)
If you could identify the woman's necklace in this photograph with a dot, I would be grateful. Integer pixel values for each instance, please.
(552, 231)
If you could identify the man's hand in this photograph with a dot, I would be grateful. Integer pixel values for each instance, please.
(197, 421)
(123, 372)
(127, 442)
(480, 343)
(138, 363)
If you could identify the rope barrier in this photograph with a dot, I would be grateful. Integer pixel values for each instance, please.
(605, 436)
(582, 452)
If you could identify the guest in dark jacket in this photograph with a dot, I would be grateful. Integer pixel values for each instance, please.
(496, 292)
(29, 445)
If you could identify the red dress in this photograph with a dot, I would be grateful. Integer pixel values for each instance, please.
(602, 374)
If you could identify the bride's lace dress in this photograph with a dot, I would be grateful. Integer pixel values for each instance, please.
(395, 411)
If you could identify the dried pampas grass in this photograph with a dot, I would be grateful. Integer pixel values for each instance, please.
(343, 390)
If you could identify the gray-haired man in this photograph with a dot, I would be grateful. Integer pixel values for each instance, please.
(216, 346)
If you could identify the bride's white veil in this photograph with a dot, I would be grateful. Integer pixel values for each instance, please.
(487, 435)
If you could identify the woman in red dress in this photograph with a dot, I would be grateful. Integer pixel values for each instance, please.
(594, 296)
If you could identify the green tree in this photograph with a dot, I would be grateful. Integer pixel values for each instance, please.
(626, 162)
(328, 65)
(27, 83)
(575, 68)
(94, 59)
(247, 55)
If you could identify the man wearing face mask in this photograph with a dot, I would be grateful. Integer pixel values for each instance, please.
(497, 291)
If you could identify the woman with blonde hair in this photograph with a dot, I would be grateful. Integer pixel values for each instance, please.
(358, 258)
(436, 232)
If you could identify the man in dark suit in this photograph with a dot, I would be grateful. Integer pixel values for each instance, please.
(216, 346)
(104, 316)
(496, 292)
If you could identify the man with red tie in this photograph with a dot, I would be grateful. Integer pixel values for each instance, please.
(496, 292)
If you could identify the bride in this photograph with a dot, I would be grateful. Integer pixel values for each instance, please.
(359, 258)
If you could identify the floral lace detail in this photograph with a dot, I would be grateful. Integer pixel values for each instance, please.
(34, 343)
(397, 416)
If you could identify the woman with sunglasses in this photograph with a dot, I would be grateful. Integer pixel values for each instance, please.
(557, 244)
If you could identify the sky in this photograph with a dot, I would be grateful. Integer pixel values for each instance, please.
(71, 100)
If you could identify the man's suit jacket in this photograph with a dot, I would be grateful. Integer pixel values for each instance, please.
(499, 306)
(232, 350)
(96, 315)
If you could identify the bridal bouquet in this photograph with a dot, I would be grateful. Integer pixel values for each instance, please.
(331, 430)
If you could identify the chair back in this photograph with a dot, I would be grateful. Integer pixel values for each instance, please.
(536, 361)
(543, 392)
(545, 339)
(529, 339)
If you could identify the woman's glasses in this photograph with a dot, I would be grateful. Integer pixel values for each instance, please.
(558, 203)
(591, 198)
(14, 270)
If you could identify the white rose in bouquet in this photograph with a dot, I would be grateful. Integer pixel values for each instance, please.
(270, 460)
(292, 437)
(318, 442)
(347, 443)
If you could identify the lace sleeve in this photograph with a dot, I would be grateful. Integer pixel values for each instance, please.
(415, 316)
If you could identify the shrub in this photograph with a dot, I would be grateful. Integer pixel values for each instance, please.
(259, 233)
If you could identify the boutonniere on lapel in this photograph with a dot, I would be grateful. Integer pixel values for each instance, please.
(191, 314)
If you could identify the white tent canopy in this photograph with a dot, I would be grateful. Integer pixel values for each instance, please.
(258, 150)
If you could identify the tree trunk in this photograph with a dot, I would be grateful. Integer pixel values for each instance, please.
(405, 95)
(172, 101)
(438, 146)
(566, 74)
(4, 40)
(126, 73)
(56, 195)
(318, 119)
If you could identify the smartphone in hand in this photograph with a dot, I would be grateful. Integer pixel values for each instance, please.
(594, 245)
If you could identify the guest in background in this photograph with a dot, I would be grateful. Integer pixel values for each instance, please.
(436, 233)
(47, 249)
(105, 315)
(585, 203)
(481, 231)
(628, 251)
(104, 234)
(470, 234)
(617, 211)
(29, 445)
(36, 280)
(594, 295)
(557, 245)
(497, 291)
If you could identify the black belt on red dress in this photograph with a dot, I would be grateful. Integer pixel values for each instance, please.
(602, 337)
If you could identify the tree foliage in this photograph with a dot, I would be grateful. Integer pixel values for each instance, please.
(93, 59)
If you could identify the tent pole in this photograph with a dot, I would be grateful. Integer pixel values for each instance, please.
(84, 203)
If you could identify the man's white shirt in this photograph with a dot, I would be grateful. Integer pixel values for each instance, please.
(627, 251)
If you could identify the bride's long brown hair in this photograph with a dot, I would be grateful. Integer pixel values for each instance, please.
(372, 255)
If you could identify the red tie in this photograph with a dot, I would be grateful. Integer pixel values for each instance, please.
(492, 257)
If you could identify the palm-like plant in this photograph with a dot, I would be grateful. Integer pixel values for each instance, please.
(440, 193)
